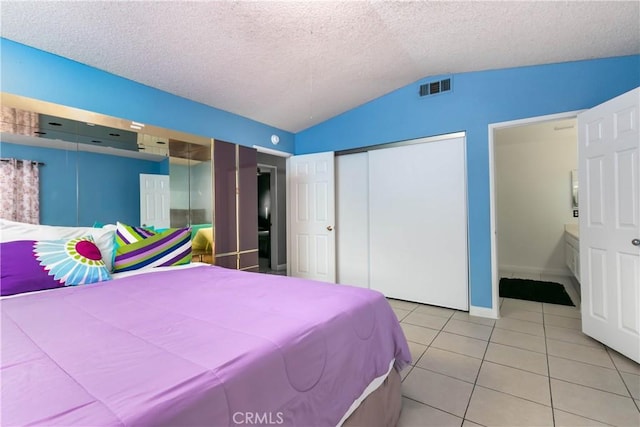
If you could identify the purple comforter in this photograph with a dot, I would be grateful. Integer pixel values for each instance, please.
(201, 346)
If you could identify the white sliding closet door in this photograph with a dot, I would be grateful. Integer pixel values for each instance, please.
(418, 222)
(352, 220)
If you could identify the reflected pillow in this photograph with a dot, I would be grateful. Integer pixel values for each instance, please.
(28, 265)
(139, 248)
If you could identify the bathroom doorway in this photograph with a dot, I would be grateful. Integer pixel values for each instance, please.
(531, 201)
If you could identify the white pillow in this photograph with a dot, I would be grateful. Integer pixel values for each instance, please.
(104, 237)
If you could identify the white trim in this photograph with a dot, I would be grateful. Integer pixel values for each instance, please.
(403, 143)
(492, 196)
(281, 267)
(271, 151)
(288, 209)
(535, 270)
(489, 313)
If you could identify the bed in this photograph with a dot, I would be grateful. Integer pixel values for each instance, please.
(200, 345)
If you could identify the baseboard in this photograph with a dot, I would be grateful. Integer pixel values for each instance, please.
(281, 267)
(490, 313)
(535, 270)
(576, 286)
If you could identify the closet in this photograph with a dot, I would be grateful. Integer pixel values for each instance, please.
(235, 206)
(402, 220)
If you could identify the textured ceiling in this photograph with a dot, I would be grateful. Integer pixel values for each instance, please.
(294, 64)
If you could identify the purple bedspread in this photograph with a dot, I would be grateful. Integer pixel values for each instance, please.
(201, 346)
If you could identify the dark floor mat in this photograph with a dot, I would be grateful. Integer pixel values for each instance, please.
(534, 290)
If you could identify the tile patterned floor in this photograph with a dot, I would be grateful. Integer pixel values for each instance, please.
(532, 367)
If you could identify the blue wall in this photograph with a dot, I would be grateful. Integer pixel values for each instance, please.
(477, 100)
(58, 202)
(107, 186)
(41, 75)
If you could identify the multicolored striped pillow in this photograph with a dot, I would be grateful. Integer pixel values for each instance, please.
(138, 248)
(127, 234)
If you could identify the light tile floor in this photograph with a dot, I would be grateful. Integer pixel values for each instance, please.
(532, 367)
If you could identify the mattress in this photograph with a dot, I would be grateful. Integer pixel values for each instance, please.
(196, 346)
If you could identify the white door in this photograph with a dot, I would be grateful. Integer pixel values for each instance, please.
(352, 220)
(418, 222)
(154, 200)
(310, 186)
(609, 194)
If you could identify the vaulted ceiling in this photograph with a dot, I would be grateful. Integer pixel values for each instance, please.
(293, 64)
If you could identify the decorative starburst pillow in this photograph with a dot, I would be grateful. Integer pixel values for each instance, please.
(72, 262)
(28, 265)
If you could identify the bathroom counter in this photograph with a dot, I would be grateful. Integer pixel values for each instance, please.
(573, 230)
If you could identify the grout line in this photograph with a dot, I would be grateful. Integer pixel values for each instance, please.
(622, 379)
(585, 417)
(516, 347)
(434, 407)
(456, 352)
(483, 359)
(405, 377)
(445, 375)
(546, 352)
(593, 388)
(422, 326)
(585, 346)
(520, 332)
(420, 343)
(562, 315)
(580, 361)
(516, 396)
(515, 367)
(475, 382)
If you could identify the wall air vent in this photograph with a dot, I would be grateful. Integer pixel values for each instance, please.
(437, 86)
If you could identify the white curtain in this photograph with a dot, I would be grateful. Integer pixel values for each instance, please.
(19, 188)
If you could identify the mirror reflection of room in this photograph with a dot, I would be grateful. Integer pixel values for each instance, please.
(88, 172)
(78, 185)
(191, 194)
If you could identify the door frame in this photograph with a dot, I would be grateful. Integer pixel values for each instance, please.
(494, 312)
(273, 194)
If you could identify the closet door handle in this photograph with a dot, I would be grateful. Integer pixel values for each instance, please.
(330, 228)
(635, 242)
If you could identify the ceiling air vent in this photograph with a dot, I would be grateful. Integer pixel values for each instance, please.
(438, 86)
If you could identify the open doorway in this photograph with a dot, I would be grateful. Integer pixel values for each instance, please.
(531, 164)
(271, 208)
(266, 174)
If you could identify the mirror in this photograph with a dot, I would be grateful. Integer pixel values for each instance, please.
(191, 184)
(574, 189)
(91, 162)
(21, 139)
